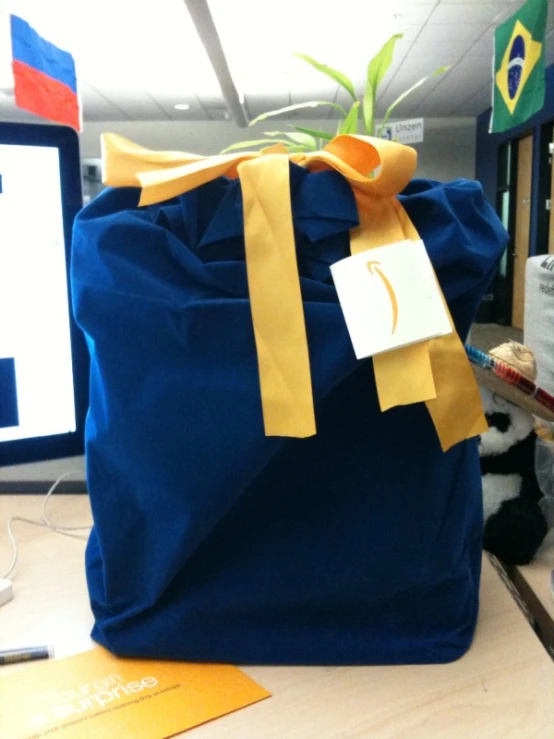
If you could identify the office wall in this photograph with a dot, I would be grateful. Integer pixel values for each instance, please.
(447, 152)
(487, 146)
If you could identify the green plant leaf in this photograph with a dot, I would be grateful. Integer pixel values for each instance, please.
(404, 95)
(376, 70)
(298, 106)
(317, 134)
(304, 139)
(350, 124)
(309, 143)
(334, 74)
(379, 65)
(368, 109)
(301, 139)
(246, 145)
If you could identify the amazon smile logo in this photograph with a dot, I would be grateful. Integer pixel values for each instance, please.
(373, 269)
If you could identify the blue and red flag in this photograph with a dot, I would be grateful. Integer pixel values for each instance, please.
(45, 81)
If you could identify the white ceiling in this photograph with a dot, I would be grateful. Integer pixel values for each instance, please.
(137, 58)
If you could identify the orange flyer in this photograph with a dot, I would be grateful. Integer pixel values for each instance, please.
(95, 694)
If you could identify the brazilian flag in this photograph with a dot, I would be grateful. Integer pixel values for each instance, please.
(519, 66)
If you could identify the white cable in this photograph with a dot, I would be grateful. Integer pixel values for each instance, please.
(44, 523)
(53, 527)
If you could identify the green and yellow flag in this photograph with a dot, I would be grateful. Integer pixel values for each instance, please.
(519, 66)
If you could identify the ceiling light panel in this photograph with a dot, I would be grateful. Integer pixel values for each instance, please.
(259, 39)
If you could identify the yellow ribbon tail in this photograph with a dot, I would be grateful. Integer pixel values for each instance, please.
(456, 409)
(275, 297)
(456, 412)
(402, 376)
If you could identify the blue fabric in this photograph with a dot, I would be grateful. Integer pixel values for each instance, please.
(213, 542)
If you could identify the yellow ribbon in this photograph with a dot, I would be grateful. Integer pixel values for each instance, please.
(275, 298)
(436, 372)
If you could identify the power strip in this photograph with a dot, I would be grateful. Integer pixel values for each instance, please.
(6, 591)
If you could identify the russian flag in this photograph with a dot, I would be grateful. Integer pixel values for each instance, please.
(45, 82)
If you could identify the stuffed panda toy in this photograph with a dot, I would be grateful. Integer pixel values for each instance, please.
(515, 525)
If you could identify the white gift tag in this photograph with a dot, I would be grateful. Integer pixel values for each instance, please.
(390, 298)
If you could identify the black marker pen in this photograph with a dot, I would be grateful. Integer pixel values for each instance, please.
(11, 656)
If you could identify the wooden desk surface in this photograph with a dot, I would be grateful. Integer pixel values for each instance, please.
(537, 574)
(533, 582)
(504, 686)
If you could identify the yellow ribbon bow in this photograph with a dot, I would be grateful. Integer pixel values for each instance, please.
(436, 372)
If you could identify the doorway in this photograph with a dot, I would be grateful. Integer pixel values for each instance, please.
(545, 192)
(522, 226)
(549, 209)
(500, 310)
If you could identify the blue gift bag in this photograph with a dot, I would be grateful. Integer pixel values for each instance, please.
(214, 542)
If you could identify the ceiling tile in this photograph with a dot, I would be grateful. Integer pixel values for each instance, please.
(405, 78)
(321, 91)
(443, 33)
(258, 104)
(472, 109)
(309, 114)
(443, 94)
(418, 96)
(483, 48)
(135, 103)
(433, 110)
(409, 33)
(167, 102)
(451, 51)
(409, 13)
(219, 114)
(469, 70)
(476, 103)
(482, 13)
(96, 107)
(211, 100)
